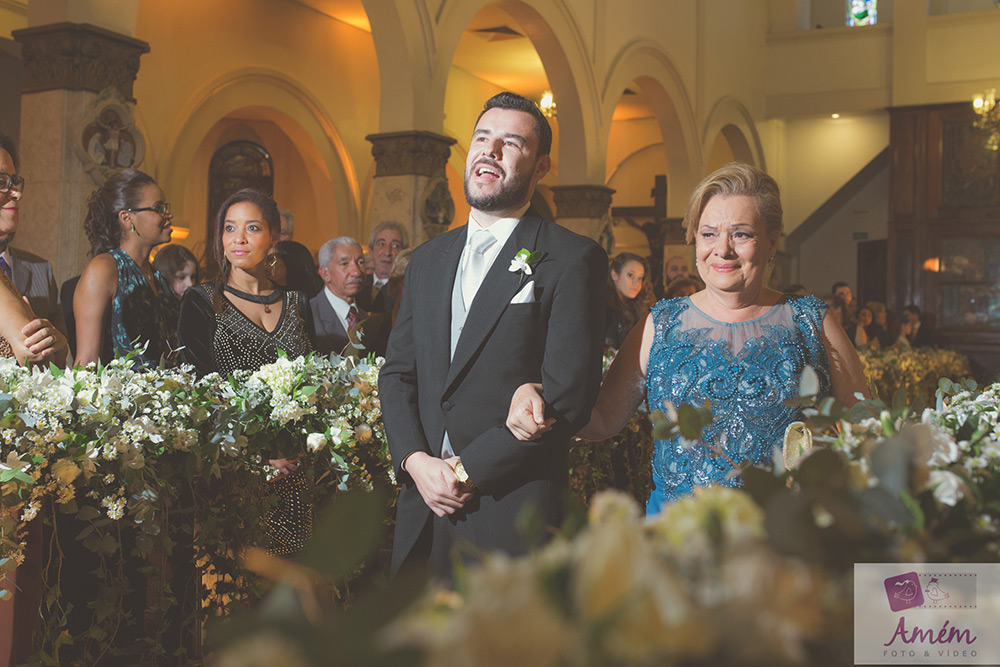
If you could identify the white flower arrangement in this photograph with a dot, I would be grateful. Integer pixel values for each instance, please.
(100, 432)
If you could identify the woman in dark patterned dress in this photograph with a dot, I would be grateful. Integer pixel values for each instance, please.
(240, 321)
(121, 301)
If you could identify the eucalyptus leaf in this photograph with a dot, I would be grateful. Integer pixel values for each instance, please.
(809, 382)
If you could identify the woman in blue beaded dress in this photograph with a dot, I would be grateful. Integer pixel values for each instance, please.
(736, 343)
(122, 301)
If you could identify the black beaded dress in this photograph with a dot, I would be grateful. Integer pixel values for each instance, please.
(216, 337)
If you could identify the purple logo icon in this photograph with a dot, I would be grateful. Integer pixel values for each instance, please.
(903, 591)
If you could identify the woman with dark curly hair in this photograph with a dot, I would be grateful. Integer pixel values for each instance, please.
(121, 301)
(630, 296)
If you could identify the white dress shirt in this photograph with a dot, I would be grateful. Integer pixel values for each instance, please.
(340, 307)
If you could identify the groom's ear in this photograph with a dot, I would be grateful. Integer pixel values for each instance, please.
(542, 167)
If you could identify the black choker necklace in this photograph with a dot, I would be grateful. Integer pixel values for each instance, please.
(266, 299)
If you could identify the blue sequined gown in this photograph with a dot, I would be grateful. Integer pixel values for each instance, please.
(747, 370)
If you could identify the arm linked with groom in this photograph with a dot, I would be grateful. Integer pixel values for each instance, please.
(469, 332)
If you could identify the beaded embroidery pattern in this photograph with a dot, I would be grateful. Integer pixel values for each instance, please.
(693, 359)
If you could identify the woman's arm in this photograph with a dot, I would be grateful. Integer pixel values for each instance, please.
(847, 377)
(621, 394)
(91, 302)
(624, 387)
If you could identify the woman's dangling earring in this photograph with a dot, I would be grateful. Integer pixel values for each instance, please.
(133, 228)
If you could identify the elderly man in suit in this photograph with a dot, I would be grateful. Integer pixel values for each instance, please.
(506, 299)
(31, 274)
(335, 310)
(385, 242)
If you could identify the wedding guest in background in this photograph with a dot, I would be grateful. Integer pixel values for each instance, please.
(736, 343)
(336, 314)
(683, 287)
(239, 321)
(31, 274)
(628, 297)
(675, 267)
(24, 334)
(241, 318)
(386, 240)
(287, 225)
(880, 324)
(913, 330)
(291, 265)
(843, 290)
(836, 309)
(179, 265)
(864, 332)
(795, 290)
(121, 300)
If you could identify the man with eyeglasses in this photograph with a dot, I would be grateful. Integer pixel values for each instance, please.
(31, 274)
(386, 240)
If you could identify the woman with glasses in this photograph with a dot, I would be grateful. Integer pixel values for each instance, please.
(121, 301)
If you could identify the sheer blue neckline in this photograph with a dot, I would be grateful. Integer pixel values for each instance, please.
(781, 300)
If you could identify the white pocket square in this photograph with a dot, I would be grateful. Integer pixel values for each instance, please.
(526, 295)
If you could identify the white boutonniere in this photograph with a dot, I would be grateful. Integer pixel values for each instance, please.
(524, 262)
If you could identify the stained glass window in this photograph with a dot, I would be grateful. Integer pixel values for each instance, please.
(862, 12)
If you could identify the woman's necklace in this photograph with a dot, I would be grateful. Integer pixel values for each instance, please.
(266, 299)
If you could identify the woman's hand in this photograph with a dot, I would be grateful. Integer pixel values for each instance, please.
(526, 417)
(284, 467)
(44, 341)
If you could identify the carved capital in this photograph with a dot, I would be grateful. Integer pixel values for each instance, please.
(79, 56)
(582, 201)
(410, 153)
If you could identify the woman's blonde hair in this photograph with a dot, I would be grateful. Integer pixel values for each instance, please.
(737, 178)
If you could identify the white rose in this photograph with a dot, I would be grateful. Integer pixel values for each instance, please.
(947, 487)
(316, 442)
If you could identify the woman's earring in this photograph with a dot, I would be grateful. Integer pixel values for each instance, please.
(272, 261)
(133, 228)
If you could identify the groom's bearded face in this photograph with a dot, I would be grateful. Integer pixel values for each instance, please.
(509, 194)
(503, 163)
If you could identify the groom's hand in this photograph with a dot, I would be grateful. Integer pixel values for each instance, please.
(437, 484)
(526, 416)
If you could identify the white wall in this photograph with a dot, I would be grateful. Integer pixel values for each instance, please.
(831, 254)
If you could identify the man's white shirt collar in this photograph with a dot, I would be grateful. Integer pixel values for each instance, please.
(501, 229)
(340, 307)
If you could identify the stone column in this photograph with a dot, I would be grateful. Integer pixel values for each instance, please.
(585, 209)
(410, 186)
(74, 73)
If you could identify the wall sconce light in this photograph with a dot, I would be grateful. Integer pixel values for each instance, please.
(547, 104)
(988, 116)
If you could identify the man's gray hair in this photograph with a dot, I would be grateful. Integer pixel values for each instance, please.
(388, 224)
(287, 215)
(326, 250)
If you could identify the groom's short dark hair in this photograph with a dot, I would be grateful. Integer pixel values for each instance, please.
(508, 100)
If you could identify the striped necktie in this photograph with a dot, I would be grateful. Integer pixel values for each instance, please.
(5, 267)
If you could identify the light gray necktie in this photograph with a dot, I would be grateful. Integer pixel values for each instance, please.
(475, 266)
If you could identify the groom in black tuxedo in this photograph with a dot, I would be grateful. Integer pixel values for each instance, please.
(470, 330)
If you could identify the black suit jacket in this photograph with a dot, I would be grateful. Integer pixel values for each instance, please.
(32, 275)
(330, 333)
(332, 337)
(556, 340)
(378, 303)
